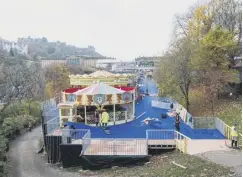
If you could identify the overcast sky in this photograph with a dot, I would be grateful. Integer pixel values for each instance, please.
(124, 29)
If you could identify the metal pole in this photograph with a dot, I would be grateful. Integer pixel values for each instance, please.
(85, 118)
(133, 106)
(114, 114)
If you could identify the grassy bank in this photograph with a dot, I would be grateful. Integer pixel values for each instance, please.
(227, 109)
(161, 165)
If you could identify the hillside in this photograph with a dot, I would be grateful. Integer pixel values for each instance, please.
(35, 48)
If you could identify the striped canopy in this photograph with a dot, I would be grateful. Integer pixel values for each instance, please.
(99, 88)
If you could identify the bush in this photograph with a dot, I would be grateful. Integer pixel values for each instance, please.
(4, 146)
(14, 125)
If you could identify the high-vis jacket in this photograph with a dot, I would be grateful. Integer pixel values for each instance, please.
(105, 117)
(234, 131)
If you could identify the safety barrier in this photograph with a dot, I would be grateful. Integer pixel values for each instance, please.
(161, 105)
(52, 125)
(181, 142)
(168, 137)
(119, 116)
(211, 123)
(164, 103)
(86, 141)
(225, 129)
(73, 136)
(49, 104)
(165, 137)
(124, 147)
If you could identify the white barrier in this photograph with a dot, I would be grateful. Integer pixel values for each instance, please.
(160, 104)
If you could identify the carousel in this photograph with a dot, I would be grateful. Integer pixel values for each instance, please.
(81, 104)
(101, 76)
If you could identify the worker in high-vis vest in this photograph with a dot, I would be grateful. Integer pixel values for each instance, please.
(234, 135)
(104, 118)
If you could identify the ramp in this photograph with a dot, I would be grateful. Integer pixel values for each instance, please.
(201, 146)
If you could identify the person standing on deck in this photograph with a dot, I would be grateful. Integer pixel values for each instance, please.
(177, 123)
(234, 135)
(97, 118)
(104, 118)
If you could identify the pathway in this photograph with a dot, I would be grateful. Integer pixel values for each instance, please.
(26, 163)
(229, 158)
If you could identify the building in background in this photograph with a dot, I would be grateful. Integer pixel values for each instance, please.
(108, 64)
(147, 63)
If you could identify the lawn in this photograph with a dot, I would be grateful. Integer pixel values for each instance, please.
(160, 165)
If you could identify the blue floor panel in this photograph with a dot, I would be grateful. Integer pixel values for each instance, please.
(137, 129)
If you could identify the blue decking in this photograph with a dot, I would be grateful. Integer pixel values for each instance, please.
(137, 129)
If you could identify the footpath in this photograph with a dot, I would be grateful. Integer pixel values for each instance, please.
(230, 158)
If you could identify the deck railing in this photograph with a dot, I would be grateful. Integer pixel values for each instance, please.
(180, 140)
(120, 146)
(155, 135)
(86, 141)
(73, 136)
(225, 129)
(49, 104)
(119, 116)
(52, 125)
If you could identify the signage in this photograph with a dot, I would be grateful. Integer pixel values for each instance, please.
(146, 64)
(71, 97)
(127, 96)
(99, 99)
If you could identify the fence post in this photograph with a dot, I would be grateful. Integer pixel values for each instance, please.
(185, 145)
(114, 114)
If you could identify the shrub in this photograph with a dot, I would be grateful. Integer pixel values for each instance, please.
(3, 148)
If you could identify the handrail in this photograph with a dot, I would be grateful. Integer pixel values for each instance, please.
(180, 139)
(181, 142)
(183, 135)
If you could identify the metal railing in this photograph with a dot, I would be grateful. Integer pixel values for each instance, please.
(181, 142)
(50, 104)
(126, 147)
(119, 116)
(73, 136)
(167, 136)
(52, 125)
(86, 141)
(161, 104)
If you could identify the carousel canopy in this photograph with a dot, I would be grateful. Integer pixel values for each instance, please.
(99, 88)
(72, 90)
(101, 73)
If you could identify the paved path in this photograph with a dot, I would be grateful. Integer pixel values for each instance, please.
(25, 161)
(230, 158)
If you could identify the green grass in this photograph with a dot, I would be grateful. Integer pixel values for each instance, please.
(163, 167)
(231, 112)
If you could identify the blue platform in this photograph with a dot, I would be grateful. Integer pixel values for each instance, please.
(137, 129)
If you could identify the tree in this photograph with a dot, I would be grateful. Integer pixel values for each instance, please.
(211, 61)
(174, 75)
(228, 15)
(57, 79)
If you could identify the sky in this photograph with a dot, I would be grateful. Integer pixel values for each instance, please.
(124, 29)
